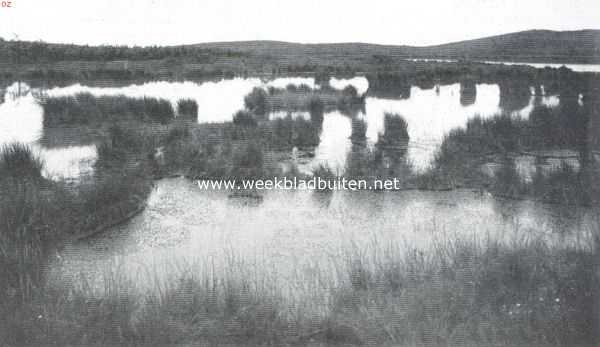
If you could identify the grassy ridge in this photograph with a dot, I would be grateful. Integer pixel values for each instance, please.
(39, 214)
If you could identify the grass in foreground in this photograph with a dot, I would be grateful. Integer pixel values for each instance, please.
(456, 293)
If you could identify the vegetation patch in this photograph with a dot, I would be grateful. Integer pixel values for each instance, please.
(85, 108)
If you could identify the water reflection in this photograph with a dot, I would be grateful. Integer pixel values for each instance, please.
(430, 113)
(574, 67)
(69, 162)
(21, 120)
(217, 101)
(335, 141)
(514, 95)
(360, 83)
(468, 93)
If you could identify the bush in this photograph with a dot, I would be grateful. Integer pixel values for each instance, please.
(120, 144)
(248, 162)
(285, 133)
(395, 131)
(244, 119)
(257, 102)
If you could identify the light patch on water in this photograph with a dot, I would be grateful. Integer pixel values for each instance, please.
(217, 101)
(434, 60)
(430, 115)
(548, 101)
(574, 67)
(335, 142)
(527, 165)
(20, 117)
(21, 120)
(68, 162)
(360, 83)
(283, 82)
(294, 114)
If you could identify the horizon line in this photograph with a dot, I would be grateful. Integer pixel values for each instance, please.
(299, 42)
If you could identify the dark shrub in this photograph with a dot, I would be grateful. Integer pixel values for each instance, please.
(257, 101)
(350, 91)
(359, 131)
(17, 160)
(395, 130)
(187, 108)
(248, 162)
(316, 108)
(244, 119)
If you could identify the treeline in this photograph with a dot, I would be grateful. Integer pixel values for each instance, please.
(26, 52)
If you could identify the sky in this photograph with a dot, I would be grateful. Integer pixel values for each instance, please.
(172, 22)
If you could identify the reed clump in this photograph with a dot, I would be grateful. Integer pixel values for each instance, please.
(187, 108)
(85, 108)
(18, 160)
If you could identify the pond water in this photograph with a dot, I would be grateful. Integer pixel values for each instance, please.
(574, 67)
(430, 113)
(301, 229)
(293, 231)
(21, 120)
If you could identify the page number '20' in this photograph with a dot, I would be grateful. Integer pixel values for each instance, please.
(6, 4)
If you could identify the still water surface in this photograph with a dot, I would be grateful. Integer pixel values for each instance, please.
(292, 230)
(295, 231)
(430, 113)
(574, 67)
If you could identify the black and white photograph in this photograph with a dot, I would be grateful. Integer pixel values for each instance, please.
(417, 173)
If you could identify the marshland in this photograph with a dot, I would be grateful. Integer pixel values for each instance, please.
(106, 239)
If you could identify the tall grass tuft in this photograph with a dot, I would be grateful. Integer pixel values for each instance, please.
(244, 119)
(17, 160)
(359, 131)
(316, 108)
(257, 102)
(289, 132)
(187, 108)
(395, 126)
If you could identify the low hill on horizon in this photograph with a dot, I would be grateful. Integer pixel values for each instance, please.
(581, 46)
